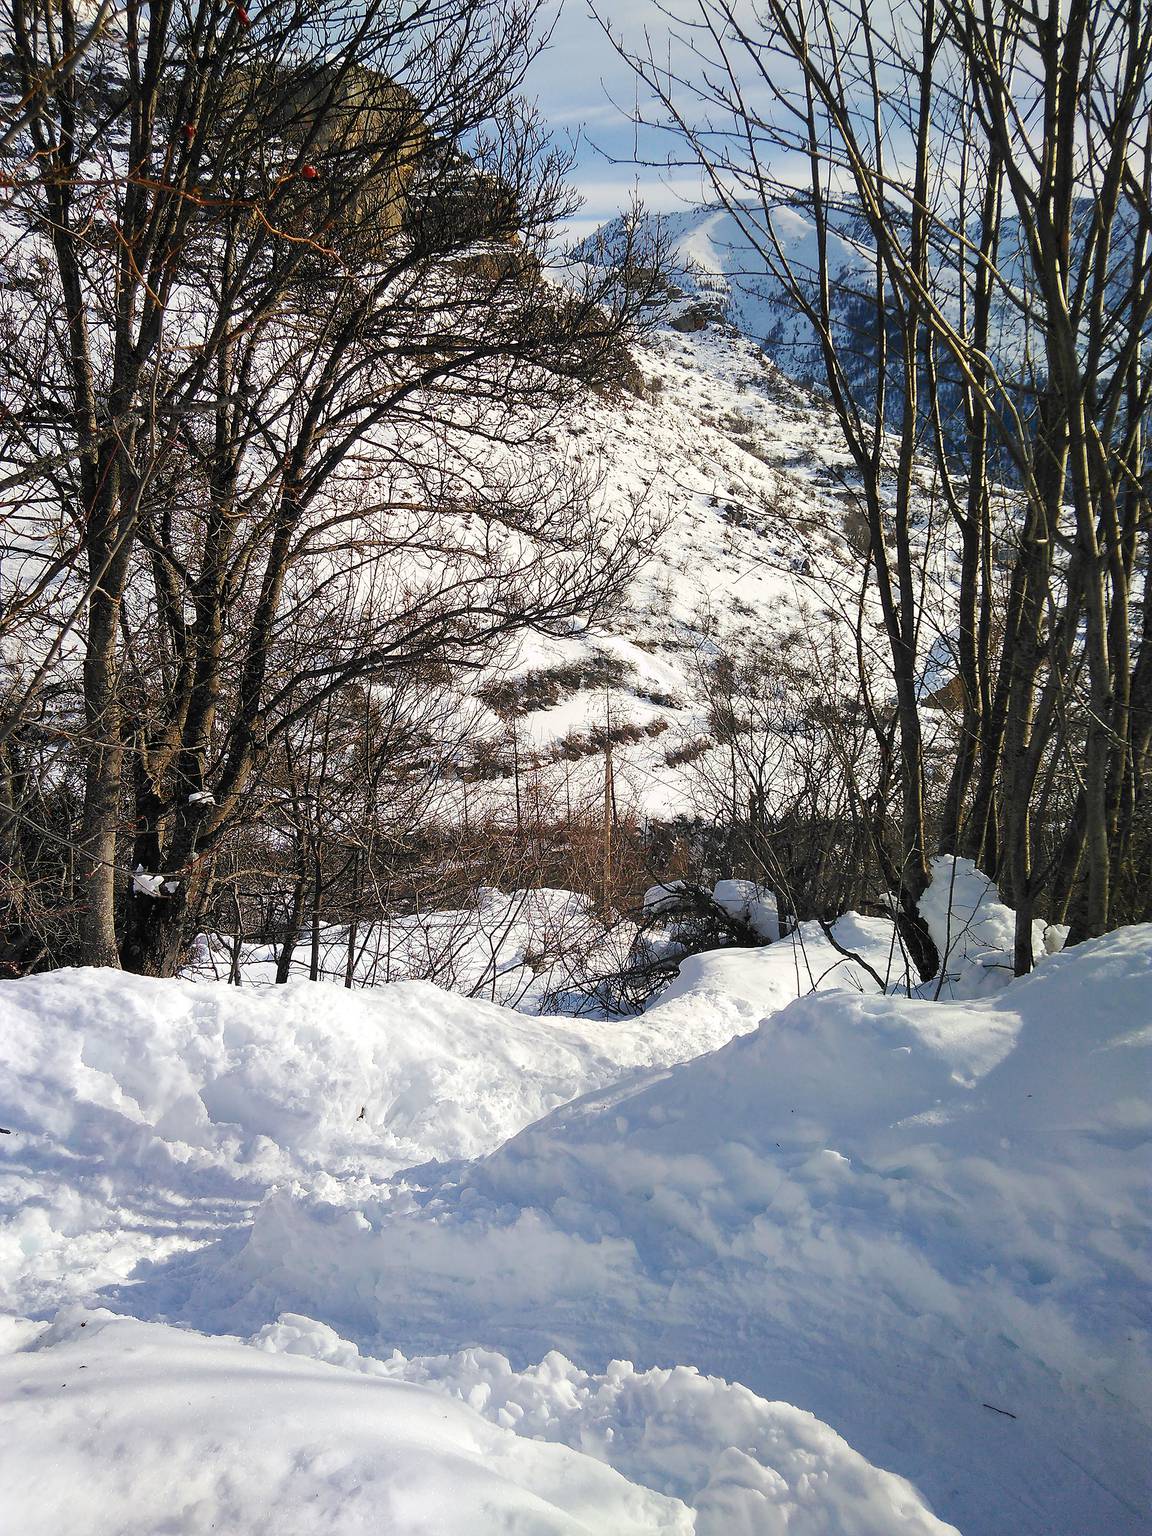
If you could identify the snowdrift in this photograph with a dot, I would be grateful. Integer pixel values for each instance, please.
(149, 1115)
(926, 1222)
(301, 1436)
(753, 984)
(974, 931)
(127, 1429)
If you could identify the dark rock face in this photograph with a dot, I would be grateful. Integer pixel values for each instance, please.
(694, 317)
(359, 121)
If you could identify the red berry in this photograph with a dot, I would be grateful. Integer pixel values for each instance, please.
(309, 172)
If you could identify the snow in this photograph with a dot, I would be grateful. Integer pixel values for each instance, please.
(744, 1465)
(443, 1224)
(144, 884)
(974, 932)
(147, 1115)
(925, 1222)
(720, 258)
(522, 948)
(753, 982)
(801, 1250)
(665, 897)
(744, 474)
(752, 904)
(296, 1433)
(170, 1431)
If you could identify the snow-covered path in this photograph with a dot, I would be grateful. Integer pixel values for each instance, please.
(925, 1223)
(150, 1117)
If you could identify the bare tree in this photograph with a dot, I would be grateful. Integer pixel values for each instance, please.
(990, 169)
(282, 339)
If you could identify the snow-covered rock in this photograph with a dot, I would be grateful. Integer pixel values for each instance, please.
(750, 903)
(752, 984)
(974, 931)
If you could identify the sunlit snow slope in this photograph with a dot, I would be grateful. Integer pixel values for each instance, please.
(751, 493)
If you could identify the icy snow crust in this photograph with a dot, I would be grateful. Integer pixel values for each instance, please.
(924, 1223)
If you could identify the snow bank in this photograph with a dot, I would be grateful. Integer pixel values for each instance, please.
(148, 1115)
(743, 1465)
(927, 1223)
(117, 1428)
(974, 931)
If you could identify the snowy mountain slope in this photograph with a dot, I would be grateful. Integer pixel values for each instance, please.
(720, 266)
(926, 1222)
(746, 478)
(750, 482)
(718, 269)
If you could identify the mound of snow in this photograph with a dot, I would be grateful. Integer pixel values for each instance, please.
(927, 1223)
(743, 1465)
(974, 931)
(148, 1115)
(752, 984)
(750, 903)
(117, 1428)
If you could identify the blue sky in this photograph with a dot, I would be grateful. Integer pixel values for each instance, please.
(575, 82)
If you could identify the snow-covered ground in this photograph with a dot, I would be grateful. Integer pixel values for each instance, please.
(452, 1267)
(926, 1222)
(149, 1116)
(521, 948)
(294, 1434)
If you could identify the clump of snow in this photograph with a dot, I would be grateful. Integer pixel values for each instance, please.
(665, 897)
(926, 1222)
(147, 1115)
(111, 1427)
(742, 1464)
(156, 886)
(974, 931)
(750, 903)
